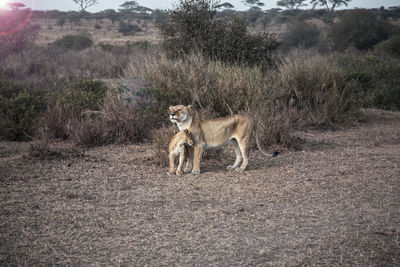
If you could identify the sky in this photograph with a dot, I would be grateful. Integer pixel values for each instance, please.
(66, 5)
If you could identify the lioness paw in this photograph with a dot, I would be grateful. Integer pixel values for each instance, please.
(195, 172)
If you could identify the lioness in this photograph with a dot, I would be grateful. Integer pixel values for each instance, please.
(236, 129)
(177, 146)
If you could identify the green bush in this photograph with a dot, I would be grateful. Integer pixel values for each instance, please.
(139, 44)
(84, 94)
(194, 25)
(20, 107)
(68, 104)
(73, 42)
(321, 93)
(128, 29)
(390, 46)
(300, 34)
(359, 28)
(376, 79)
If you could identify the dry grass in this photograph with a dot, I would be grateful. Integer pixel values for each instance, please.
(107, 34)
(336, 202)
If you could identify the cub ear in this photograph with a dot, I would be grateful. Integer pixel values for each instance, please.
(186, 131)
(188, 107)
(171, 107)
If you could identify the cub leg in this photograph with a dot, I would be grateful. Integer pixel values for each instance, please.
(238, 155)
(198, 152)
(182, 157)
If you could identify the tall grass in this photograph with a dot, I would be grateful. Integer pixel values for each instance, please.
(319, 87)
(303, 90)
(50, 67)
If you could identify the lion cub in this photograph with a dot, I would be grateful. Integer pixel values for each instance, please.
(177, 146)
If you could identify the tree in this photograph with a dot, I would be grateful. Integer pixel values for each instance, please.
(16, 5)
(84, 4)
(111, 14)
(225, 5)
(194, 26)
(253, 3)
(61, 21)
(132, 8)
(291, 4)
(330, 5)
(359, 28)
(128, 29)
(253, 14)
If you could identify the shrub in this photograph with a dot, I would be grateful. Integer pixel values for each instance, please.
(119, 121)
(195, 26)
(73, 42)
(128, 29)
(390, 46)
(359, 28)
(304, 91)
(300, 34)
(376, 79)
(20, 107)
(319, 88)
(68, 104)
(139, 44)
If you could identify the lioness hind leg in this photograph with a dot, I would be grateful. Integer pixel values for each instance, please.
(238, 155)
(245, 154)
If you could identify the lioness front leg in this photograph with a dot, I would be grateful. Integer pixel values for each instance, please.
(190, 155)
(171, 164)
(198, 152)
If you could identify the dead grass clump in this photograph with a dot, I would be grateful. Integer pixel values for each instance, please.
(321, 92)
(160, 140)
(119, 121)
(216, 89)
(43, 149)
(275, 128)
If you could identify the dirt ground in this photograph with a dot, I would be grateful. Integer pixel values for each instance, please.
(336, 202)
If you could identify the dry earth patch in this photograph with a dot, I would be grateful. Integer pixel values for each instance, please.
(335, 202)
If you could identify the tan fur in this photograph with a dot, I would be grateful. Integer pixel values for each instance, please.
(177, 147)
(236, 129)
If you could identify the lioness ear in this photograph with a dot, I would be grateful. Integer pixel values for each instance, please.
(188, 107)
(187, 131)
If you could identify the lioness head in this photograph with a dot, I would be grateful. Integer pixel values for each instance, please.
(179, 113)
(188, 137)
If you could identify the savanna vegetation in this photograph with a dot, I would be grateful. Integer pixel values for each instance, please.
(317, 70)
(84, 126)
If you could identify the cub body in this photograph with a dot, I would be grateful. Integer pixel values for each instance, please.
(177, 147)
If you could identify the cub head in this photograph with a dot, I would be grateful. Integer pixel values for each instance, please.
(188, 137)
(179, 113)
